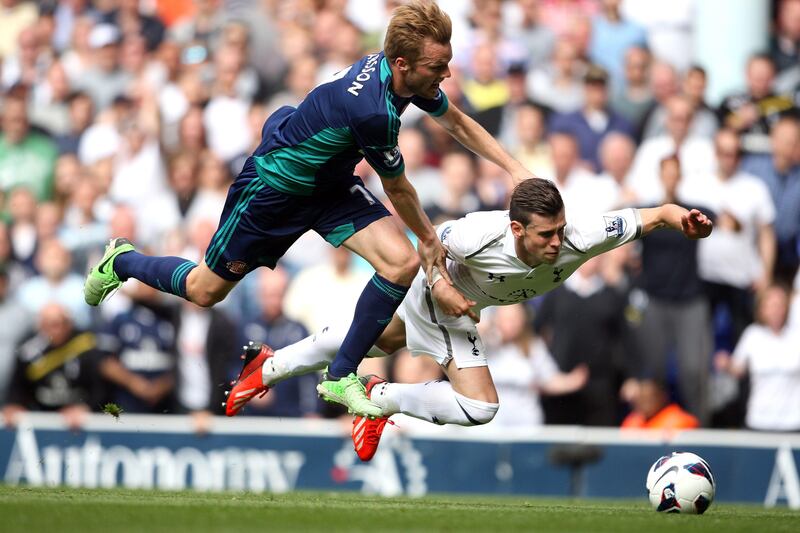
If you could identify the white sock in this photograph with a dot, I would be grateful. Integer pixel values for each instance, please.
(434, 401)
(313, 353)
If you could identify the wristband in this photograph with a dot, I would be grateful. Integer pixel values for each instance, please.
(436, 275)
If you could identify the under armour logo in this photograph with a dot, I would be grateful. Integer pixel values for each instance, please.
(557, 274)
(473, 339)
(493, 277)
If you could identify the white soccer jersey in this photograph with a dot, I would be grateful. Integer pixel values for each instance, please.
(484, 266)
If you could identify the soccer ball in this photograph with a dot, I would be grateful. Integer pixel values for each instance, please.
(680, 482)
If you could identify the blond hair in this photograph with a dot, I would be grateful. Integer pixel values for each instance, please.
(410, 25)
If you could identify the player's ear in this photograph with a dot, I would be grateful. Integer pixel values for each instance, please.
(517, 229)
(402, 64)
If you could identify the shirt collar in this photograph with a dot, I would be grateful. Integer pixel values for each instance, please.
(508, 243)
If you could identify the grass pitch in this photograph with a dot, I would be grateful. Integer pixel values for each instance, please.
(58, 509)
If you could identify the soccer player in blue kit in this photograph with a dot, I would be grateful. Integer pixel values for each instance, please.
(301, 178)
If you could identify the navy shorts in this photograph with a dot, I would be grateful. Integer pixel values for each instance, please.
(259, 223)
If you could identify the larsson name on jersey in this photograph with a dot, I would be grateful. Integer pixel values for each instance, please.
(364, 75)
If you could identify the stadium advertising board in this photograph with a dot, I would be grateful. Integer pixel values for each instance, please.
(271, 455)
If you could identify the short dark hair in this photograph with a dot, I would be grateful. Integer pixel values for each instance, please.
(535, 196)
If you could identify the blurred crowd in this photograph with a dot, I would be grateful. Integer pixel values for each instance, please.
(130, 118)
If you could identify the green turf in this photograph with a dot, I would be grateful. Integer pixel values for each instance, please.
(84, 510)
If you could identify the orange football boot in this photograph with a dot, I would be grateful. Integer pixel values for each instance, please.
(366, 431)
(250, 383)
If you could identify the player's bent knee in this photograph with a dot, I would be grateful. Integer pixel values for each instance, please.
(205, 298)
(205, 289)
(476, 412)
(401, 272)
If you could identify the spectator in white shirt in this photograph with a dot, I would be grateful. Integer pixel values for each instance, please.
(326, 293)
(769, 352)
(696, 156)
(523, 369)
(616, 159)
(739, 257)
(583, 191)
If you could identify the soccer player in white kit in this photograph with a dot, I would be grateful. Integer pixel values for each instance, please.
(494, 258)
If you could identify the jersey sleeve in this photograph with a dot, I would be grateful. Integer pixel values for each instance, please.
(376, 136)
(599, 233)
(465, 237)
(433, 106)
(453, 243)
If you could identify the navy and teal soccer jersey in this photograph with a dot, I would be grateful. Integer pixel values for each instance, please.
(354, 115)
(301, 178)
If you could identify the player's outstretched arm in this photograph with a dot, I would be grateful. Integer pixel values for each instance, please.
(473, 136)
(405, 200)
(693, 224)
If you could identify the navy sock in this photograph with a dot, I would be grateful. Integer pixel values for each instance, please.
(376, 305)
(167, 274)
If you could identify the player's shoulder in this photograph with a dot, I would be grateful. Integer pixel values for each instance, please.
(361, 87)
(574, 234)
(477, 231)
(488, 222)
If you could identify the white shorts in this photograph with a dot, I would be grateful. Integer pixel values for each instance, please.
(430, 332)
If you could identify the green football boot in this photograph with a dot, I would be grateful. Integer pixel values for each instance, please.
(102, 280)
(350, 392)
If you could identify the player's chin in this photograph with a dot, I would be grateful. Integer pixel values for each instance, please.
(549, 258)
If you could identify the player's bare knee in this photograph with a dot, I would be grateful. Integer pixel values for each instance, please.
(477, 412)
(409, 270)
(205, 298)
(401, 272)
